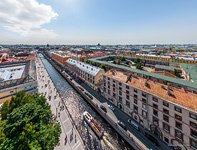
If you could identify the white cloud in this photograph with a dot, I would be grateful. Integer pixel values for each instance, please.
(26, 17)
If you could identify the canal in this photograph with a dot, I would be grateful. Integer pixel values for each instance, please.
(76, 106)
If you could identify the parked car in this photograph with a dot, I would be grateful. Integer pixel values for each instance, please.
(133, 124)
(103, 108)
(88, 95)
(120, 123)
(111, 107)
(82, 89)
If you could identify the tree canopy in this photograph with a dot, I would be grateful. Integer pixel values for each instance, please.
(27, 123)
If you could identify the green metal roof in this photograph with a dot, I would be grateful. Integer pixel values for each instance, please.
(191, 70)
(159, 76)
(163, 67)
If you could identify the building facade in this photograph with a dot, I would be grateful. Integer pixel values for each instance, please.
(168, 112)
(90, 74)
(16, 77)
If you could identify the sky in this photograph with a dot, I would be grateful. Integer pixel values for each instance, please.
(98, 21)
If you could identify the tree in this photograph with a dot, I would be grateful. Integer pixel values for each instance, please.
(27, 123)
(123, 59)
(138, 65)
(104, 67)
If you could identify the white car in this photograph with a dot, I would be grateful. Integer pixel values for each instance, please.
(111, 107)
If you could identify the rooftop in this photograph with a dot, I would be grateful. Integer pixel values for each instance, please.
(191, 70)
(154, 75)
(163, 67)
(92, 70)
(180, 97)
(11, 73)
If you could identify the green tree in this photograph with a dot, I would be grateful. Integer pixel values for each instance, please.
(27, 123)
(139, 65)
(123, 59)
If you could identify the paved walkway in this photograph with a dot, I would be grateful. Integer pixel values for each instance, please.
(69, 138)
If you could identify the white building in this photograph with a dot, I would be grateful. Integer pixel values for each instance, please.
(16, 77)
(88, 73)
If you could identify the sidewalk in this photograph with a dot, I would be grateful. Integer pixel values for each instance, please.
(69, 138)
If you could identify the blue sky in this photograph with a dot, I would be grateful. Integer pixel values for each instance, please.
(101, 21)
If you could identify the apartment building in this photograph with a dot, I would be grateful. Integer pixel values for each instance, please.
(90, 74)
(15, 77)
(62, 56)
(169, 112)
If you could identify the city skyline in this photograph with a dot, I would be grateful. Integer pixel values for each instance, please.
(93, 21)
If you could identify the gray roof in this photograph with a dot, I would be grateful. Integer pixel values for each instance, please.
(159, 76)
(11, 73)
(92, 70)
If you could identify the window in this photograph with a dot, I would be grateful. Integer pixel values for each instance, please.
(135, 100)
(166, 104)
(155, 112)
(135, 96)
(193, 133)
(166, 139)
(127, 97)
(143, 100)
(178, 135)
(127, 87)
(114, 94)
(155, 121)
(120, 88)
(193, 116)
(166, 127)
(120, 84)
(178, 117)
(155, 99)
(108, 87)
(165, 118)
(114, 85)
(144, 94)
(193, 143)
(178, 109)
(194, 125)
(120, 93)
(144, 106)
(128, 104)
(127, 91)
(144, 114)
(104, 89)
(178, 125)
(155, 106)
(108, 78)
(135, 108)
(135, 90)
(166, 111)
(113, 89)
(109, 92)
(113, 81)
(120, 99)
